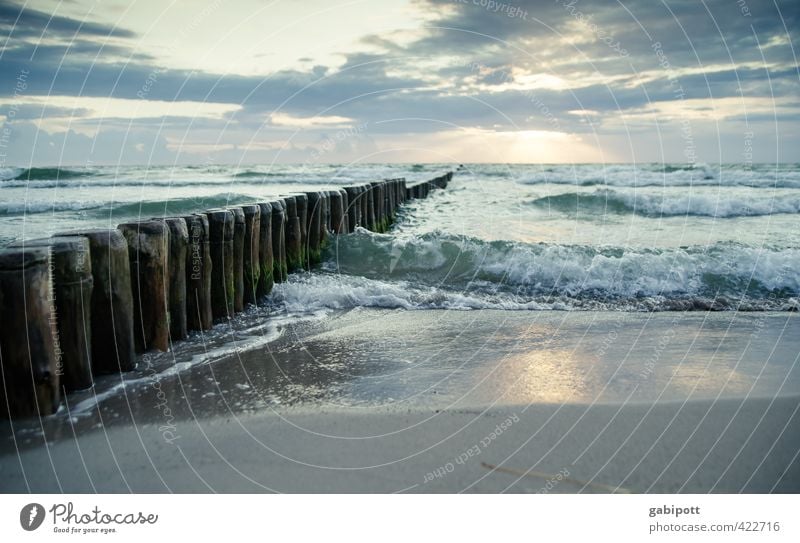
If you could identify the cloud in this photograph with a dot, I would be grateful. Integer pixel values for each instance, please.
(22, 22)
(465, 68)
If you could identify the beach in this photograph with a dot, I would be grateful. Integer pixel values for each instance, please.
(377, 400)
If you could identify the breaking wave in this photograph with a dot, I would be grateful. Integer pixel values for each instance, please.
(672, 205)
(440, 270)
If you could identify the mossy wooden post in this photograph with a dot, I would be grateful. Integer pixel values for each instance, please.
(301, 200)
(377, 205)
(30, 380)
(325, 218)
(324, 209)
(389, 202)
(294, 242)
(280, 272)
(314, 228)
(220, 235)
(176, 263)
(238, 258)
(371, 216)
(345, 211)
(148, 247)
(72, 285)
(399, 194)
(265, 280)
(112, 307)
(338, 217)
(353, 208)
(199, 315)
(252, 242)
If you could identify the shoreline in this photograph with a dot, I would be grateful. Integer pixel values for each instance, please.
(435, 383)
(636, 448)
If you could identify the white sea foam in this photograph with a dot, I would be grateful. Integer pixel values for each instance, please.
(478, 267)
(671, 204)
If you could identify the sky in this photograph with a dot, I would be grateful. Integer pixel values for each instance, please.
(258, 81)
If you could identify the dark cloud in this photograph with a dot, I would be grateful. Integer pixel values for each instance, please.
(18, 22)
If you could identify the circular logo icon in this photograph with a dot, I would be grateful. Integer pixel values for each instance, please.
(31, 516)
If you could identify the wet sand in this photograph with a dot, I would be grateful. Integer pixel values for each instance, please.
(438, 401)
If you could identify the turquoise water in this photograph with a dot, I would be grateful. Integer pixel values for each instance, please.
(521, 237)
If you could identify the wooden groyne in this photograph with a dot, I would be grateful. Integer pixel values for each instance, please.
(86, 303)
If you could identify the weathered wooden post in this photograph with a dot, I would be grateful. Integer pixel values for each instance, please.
(353, 208)
(199, 315)
(265, 280)
(238, 258)
(325, 219)
(377, 206)
(338, 217)
(72, 286)
(301, 200)
(220, 235)
(252, 243)
(148, 246)
(294, 242)
(314, 228)
(371, 217)
(112, 301)
(389, 187)
(280, 273)
(176, 263)
(345, 211)
(30, 380)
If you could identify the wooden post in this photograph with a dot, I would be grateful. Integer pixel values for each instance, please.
(353, 208)
(199, 315)
(238, 258)
(345, 211)
(112, 301)
(148, 246)
(252, 243)
(293, 234)
(176, 264)
(220, 235)
(280, 272)
(30, 380)
(377, 206)
(325, 219)
(338, 216)
(314, 228)
(371, 217)
(301, 200)
(265, 280)
(72, 285)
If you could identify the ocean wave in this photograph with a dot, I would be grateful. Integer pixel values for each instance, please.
(144, 208)
(308, 293)
(533, 271)
(38, 174)
(661, 175)
(31, 208)
(176, 206)
(669, 205)
(251, 174)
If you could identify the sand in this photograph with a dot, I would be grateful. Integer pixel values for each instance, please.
(443, 401)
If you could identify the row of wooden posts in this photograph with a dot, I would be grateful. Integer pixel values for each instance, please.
(86, 303)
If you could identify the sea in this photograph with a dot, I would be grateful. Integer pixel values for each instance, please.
(518, 289)
(604, 237)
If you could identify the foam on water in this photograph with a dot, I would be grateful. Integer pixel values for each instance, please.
(675, 204)
(444, 270)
